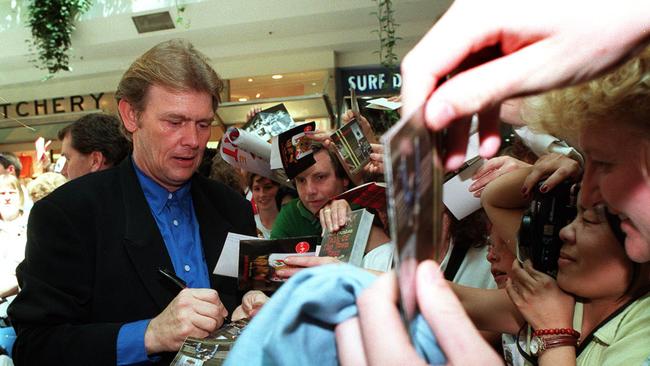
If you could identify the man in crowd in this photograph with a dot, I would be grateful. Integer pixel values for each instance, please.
(316, 186)
(93, 284)
(9, 163)
(92, 143)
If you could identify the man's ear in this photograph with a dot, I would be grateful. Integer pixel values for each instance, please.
(11, 169)
(97, 161)
(129, 115)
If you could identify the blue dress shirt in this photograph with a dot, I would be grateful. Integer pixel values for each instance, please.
(174, 214)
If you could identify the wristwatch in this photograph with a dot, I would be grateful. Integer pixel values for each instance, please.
(539, 344)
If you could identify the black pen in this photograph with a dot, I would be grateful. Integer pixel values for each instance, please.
(172, 277)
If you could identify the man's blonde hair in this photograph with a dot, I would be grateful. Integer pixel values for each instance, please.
(173, 64)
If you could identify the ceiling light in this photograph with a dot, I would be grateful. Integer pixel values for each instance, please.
(250, 80)
(313, 84)
(243, 99)
(258, 95)
(277, 76)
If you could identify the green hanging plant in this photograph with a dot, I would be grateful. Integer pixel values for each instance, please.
(52, 23)
(386, 32)
(180, 15)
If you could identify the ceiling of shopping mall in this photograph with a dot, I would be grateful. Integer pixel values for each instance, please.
(231, 33)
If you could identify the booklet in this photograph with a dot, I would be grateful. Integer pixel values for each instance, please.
(295, 149)
(270, 122)
(348, 244)
(211, 350)
(260, 259)
(368, 195)
(414, 174)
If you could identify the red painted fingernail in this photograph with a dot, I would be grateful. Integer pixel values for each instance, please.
(543, 188)
(524, 190)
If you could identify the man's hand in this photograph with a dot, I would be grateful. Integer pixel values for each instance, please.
(376, 163)
(334, 215)
(251, 303)
(542, 47)
(194, 312)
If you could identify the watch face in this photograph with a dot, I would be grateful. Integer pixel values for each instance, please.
(534, 346)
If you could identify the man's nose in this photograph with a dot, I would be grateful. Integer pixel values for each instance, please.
(190, 136)
(311, 187)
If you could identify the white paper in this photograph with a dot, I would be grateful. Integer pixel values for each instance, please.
(456, 195)
(242, 159)
(276, 160)
(249, 142)
(228, 263)
(383, 104)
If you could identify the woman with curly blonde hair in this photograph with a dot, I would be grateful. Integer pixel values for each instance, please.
(44, 184)
(610, 119)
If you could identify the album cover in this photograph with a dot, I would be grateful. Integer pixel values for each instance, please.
(260, 259)
(352, 149)
(414, 174)
(349, 243)
(270, 122)
(295, 149)
(211, 350)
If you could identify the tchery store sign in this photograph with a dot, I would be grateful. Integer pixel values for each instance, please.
(42, 107)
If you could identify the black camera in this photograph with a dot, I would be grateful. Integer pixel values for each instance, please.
(538, 238)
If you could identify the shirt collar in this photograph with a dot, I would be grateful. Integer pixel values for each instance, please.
(304, 212)
(157, 196)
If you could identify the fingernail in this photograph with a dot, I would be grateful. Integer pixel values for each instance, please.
(543, 188)
(489, 146)
(472, 187)
(454, 162)
(524, 190)
(438, 114)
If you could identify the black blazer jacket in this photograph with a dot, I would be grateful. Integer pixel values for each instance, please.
(93, 250)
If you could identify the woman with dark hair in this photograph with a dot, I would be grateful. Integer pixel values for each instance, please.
(265, 193)
(595, 312)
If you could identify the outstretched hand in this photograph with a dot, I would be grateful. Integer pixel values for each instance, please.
(542, 47)
(493, 169)
(385, 339)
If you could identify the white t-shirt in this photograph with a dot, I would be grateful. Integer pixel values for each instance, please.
(379, 259)
(261, 228)
(474, 271)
